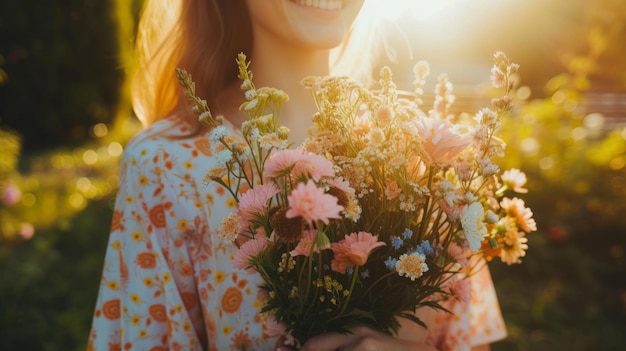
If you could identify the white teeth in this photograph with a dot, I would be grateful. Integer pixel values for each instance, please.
(321, 4)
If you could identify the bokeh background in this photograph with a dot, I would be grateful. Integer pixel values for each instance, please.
(65, 118)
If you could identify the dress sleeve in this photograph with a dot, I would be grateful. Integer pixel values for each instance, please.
(148, 299)
(477, 321)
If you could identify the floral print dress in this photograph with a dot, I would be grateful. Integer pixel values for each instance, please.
(168, 281)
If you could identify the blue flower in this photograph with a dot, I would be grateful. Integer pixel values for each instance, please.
(365, 274)
(349, 270)
(390, 263)
(396, 242)
(424, 248)
(408, 233)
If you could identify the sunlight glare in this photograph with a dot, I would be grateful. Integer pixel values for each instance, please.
(422, 10)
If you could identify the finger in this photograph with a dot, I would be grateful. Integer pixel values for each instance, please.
(327, 342)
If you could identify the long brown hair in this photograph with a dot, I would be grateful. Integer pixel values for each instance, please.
(201, 36)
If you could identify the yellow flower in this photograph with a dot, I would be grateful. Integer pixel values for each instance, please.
(143, 333)
(226, 329)
(135, 298)
(147, 281)
(135, 320)
(231, 203)
(219, 277)
(129, 199)
(188, 165)
(143, 180)
(113, 285)
(182, 224)
(136, 236)
(166, 277)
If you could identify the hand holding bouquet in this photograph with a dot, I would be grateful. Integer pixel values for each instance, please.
(378, 212)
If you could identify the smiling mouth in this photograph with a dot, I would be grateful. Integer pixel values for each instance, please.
(321, 4)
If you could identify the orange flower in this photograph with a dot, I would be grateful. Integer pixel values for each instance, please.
(117, 221)
(231, 300)
(157, 216)
(157, 311)
(241, 341)
(111, 309)
(146, 260)
(204, 146)
(353, 250)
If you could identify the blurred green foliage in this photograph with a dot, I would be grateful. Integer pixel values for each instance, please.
(62, 89)
(570, 292)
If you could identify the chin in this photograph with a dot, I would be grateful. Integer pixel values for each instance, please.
(323, 23)
(317, 23)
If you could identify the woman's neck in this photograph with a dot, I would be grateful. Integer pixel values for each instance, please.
(284, 69)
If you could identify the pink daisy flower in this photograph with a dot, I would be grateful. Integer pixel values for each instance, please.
(341, 184)
(523, 216)
(281, 163)
(313, 204)
(314, 166)
(254, 202)
(441, 139)
(247, 251)
(353, 250)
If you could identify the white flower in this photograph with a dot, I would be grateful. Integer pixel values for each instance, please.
(473, 226)
(411, 265)
(218, 133)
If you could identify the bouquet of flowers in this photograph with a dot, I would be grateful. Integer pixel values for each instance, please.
(378, 212)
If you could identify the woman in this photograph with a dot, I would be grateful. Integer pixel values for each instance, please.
(168, 281)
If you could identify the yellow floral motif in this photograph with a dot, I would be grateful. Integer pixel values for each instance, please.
(167, 277)
(135, 320)
(219, 277)
(135, 298)
(143, 180)
(227, 329)
(136, 236)
(182, 224)
(231, 203)
(113, 285)
(147, 281)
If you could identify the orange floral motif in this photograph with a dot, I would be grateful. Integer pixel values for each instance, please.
(158, 312)
(115, 346)
(157, 216)
(158, 348)
(146, 260)
(241, 341)
(231, 300)
(204, 146)
(111, 309)
(117, 221)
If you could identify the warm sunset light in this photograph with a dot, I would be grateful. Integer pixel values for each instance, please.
(471, 157)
